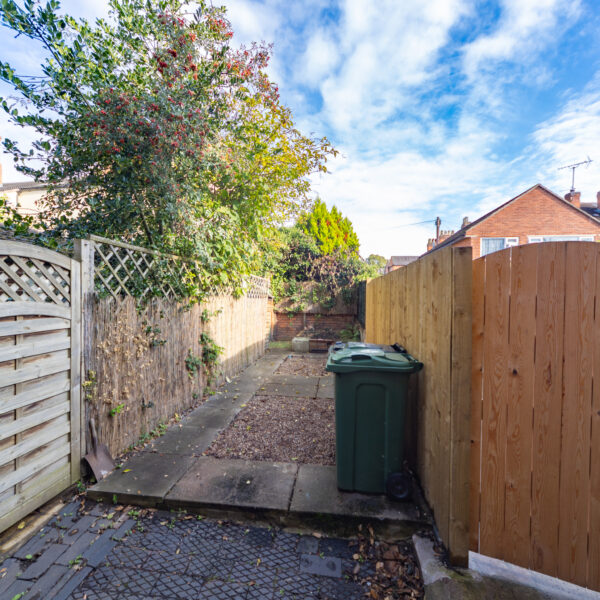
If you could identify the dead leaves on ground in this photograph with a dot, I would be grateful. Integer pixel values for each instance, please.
(396, 575)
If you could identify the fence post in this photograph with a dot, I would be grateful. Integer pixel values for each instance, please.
(83, 251)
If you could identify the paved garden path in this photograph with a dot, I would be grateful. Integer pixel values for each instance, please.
(172, 473)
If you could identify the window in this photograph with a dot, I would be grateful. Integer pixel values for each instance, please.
(536, 239)
(494, 244)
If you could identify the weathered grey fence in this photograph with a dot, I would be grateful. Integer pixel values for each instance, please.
(139, 352)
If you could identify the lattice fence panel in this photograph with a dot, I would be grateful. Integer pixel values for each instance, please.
(24, 279)
(122, 270)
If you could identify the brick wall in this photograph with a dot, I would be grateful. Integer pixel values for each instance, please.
(286, 326)
(534, 213)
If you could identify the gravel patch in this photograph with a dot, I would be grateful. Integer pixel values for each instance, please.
(281, 429)
(311, 366)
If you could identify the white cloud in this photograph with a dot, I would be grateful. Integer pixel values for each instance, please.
(388, 49)
(320, 57)
(524, 29)
(570, 137)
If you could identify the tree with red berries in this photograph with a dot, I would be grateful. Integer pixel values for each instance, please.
(155, 129)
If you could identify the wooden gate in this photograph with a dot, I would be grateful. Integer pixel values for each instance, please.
(535, 471)
(40, 426)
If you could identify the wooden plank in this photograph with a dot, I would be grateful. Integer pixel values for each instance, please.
(369, 306)
(477, 362)
(519, 410)
(24, 308)
(32, 326)
(76, 411)
(460, 405)
(18, 363)
(576, 412)
(48, 485)
(43, 461)
(45, 366)
(593, 574)
(84, 253)
(439, 389)
(25, 350)
(46, 435)
(33, 420)
(495, 380)
(12, 248)
(549, 352)
(31, 396)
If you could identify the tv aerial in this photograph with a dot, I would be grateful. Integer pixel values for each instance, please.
(573, 167)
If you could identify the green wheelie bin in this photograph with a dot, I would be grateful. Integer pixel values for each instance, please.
(371, 386)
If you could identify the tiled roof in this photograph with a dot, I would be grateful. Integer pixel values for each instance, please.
(401, 261)
(461, 232)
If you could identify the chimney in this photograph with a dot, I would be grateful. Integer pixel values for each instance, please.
(574, 198)
(430, 244)
(465, 222)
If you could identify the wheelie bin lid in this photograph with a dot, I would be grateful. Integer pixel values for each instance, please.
(357, 356)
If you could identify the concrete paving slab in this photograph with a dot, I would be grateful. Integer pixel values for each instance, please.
(290, 385)
(316, 492)
(144, 479)
(326, 387)
(184, 441)
(215, 414)
(216, 482)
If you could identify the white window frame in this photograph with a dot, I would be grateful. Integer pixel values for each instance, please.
(508, 242)
(538, 239)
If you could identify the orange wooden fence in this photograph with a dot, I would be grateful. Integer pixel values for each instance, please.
(535, 459)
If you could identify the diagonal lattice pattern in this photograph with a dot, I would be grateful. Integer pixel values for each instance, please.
(33, 280)
(122, 270)
(128, 557)
(122, 582)
(178, 586)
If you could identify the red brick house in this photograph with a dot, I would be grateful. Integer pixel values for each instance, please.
(536, 215)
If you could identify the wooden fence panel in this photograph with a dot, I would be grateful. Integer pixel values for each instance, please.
(538, 484)
(39, 377)
(425, 306)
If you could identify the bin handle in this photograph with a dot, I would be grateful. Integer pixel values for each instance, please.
(357, 357)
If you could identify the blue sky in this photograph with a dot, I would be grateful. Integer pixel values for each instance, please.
(442, 107)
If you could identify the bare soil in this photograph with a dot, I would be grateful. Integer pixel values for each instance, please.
(280, 429)
(303, 364)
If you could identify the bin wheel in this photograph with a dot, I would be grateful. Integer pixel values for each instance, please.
(398, 487)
